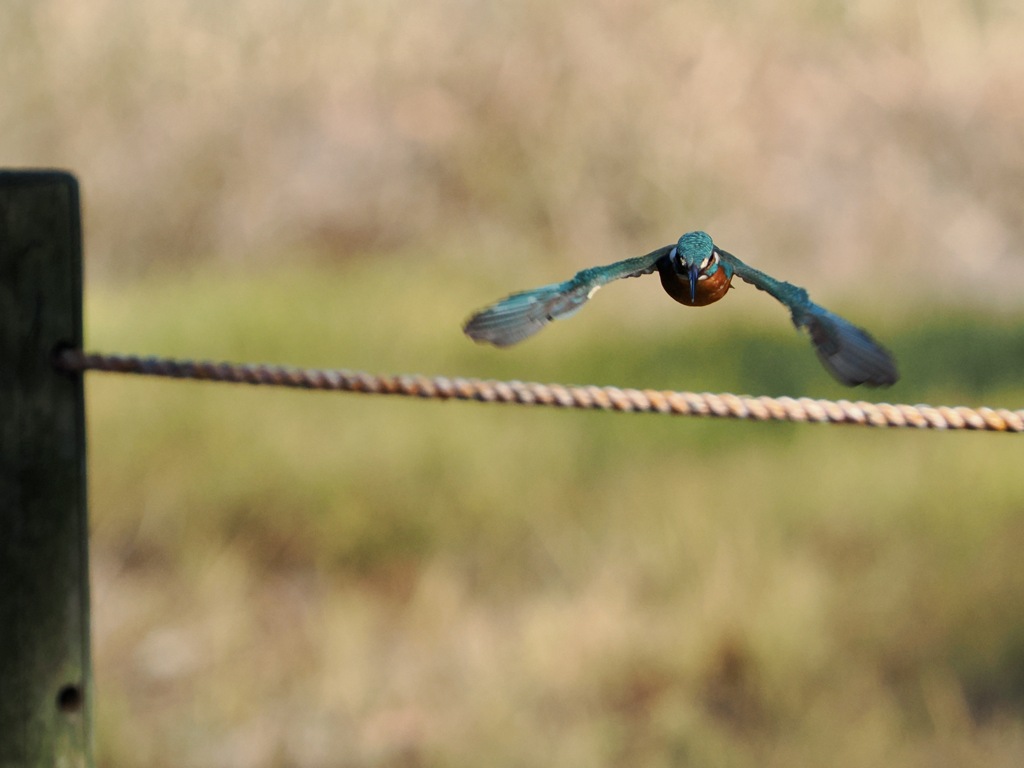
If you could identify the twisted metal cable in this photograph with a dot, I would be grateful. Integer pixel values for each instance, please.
(724, 405)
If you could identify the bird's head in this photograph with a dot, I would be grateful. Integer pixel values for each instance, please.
(694, 256)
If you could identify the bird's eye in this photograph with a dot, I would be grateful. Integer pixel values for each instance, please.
(706, 263)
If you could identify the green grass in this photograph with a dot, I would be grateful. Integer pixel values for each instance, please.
(297, 576)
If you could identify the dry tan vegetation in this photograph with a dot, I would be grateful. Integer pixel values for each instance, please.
(840, 139)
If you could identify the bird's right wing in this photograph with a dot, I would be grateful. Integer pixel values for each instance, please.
(522, 314)
(846, 351)
(849, 353)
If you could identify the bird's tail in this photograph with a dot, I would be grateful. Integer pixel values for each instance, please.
(849, 353)
(521, 315)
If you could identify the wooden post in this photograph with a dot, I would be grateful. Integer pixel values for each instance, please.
(45, 678)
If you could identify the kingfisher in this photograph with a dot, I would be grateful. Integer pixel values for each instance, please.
(695, 272)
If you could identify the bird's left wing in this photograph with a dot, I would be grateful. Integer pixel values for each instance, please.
(847, 352)
(522, 314)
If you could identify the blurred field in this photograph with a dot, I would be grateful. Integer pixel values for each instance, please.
(288, 578)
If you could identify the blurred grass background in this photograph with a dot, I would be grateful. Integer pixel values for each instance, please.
(285, 578)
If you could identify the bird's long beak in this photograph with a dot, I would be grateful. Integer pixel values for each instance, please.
(694, 276)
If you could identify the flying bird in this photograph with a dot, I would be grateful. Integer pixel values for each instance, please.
(694, 272)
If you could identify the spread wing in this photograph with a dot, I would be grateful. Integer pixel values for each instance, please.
(849, 353)
(522, 314)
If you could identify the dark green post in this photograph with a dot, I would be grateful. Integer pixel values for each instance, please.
(45, 678)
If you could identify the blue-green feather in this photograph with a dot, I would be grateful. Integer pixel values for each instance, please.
(522, 314)
(847, 352)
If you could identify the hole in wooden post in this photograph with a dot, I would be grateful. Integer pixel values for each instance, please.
(69, 699)
(55, 356)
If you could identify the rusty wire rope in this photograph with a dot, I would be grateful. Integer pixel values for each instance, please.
(604, 398)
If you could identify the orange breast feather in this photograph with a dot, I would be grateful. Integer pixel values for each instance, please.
(710, 288)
